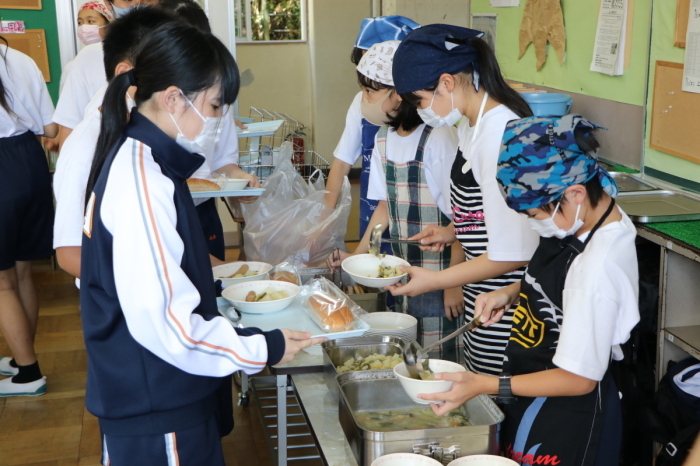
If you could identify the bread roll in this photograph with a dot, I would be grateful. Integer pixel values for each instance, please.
(285, 277)
(332, 313)
(198, 184)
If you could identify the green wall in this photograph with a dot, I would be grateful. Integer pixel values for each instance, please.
(42, 19)
(663, 27)
(580, 19)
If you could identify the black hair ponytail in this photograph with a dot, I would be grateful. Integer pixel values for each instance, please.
(174, 54)
(114, 118)
(491, 79)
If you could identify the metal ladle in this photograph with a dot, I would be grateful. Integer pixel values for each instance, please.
(416, 358)
(376, 240)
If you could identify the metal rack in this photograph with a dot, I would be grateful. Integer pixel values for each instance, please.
(262, 163)
(294, 436)
(291, 130)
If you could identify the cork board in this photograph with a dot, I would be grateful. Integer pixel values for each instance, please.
(682, 12)
(674, 114)
(32, 43)
(21, 4)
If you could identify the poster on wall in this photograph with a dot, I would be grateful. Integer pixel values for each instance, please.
(21, 4)
(691, 69)
(487, 24)
(609, 48)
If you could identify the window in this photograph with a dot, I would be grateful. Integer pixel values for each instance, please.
(270, 20)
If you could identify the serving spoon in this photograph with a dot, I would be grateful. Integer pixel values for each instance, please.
(416, 358)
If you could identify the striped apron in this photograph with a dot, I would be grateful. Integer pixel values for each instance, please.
(412, 208)
(484, 348)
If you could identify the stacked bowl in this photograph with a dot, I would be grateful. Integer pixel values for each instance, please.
(394, 324)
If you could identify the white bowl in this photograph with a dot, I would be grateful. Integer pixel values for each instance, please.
(482, 460)
(235, 184)
(235, 294)
(413, 387)
(226, 270)
(390, 321)
(364, 268)
(405, 459)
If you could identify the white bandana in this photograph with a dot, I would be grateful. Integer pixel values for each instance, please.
(376, 64)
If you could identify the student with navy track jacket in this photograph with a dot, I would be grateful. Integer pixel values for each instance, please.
(157, 347)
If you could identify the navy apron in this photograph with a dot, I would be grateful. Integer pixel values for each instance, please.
(367, 206)
(564, 430)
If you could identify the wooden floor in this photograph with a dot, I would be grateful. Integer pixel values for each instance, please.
(56, 429)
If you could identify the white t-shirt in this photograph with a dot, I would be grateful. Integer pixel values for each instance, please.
(510, 237)
(349, 147)
(25, 93)
(600, 301)
(438, 156)
(84, 79)
(70, 181)
(73, 171)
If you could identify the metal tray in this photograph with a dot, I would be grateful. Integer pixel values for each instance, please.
(336, 352)
(627, 182)
(380, 390)
(659, 206)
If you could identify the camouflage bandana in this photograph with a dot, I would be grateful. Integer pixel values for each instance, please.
(540, 158)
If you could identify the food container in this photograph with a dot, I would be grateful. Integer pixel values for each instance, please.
(413, 387)
(236, 295)
(381, 391)
(547, 103)
(226, 270)
(336, 352)
(364, 269)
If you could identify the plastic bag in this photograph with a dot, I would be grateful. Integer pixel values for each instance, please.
(329, 307)
(285, 272)
(290, 221)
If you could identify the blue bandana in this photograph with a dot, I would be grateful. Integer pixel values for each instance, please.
(382, 29)
(426, 53)
(540, 158)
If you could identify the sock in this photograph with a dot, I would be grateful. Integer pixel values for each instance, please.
(28, 373)
(13, 363)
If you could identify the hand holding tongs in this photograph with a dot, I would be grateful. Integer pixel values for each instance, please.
(375, 240)
(416, 358)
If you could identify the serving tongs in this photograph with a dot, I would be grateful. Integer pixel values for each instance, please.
(376, 240)
(416, 358)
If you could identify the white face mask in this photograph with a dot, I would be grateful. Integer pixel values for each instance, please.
(547, 228)
(206, 140)
(431, 118)
(119, 12)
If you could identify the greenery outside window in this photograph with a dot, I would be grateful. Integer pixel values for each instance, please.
(270, 20)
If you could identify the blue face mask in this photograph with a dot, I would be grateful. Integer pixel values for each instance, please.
(119, 12)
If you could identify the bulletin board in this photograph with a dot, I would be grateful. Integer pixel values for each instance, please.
(682, 11)
(21, 4)
(674, 114)
(32, 43)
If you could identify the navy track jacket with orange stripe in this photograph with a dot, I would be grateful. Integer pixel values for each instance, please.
(156, 344)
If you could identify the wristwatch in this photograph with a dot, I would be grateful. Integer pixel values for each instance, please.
(505, 394)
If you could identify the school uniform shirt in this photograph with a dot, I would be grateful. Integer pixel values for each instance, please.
(438, 157)
(26, 93)
(148, 300)
(349, 147)
(509, 236)
(600, 305)
(84, 79)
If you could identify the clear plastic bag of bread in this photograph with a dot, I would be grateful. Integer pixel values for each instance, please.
(329, 307)
(285, 272)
